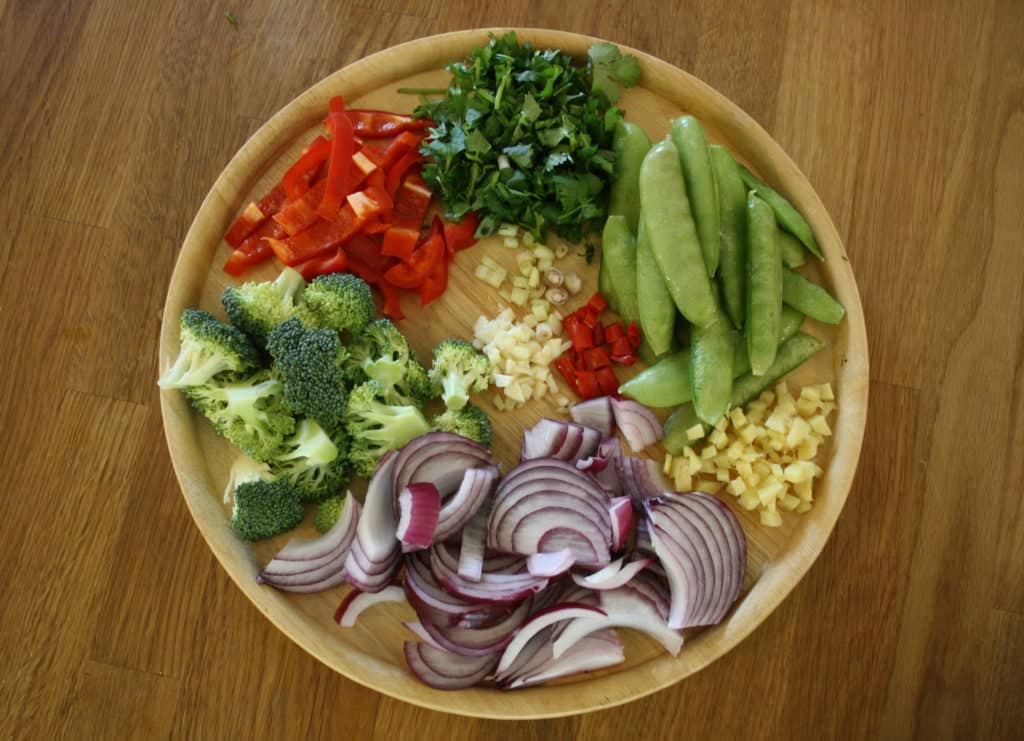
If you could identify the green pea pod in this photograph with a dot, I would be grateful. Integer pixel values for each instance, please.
(701, 188)
(666, 383)
(793, 353)
(618, 259)
(657, 311)
(786, 214)
(672, 234)
(630, 144)
(732, 252)
(810, 298)
(711, 359)
(764, 285)
(793, 253)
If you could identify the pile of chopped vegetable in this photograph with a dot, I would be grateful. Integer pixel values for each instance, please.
(594, 347)
(524, 136)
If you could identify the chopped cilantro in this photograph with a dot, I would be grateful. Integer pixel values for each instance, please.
(521, 137)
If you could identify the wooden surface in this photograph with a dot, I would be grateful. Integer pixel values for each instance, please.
(118, 622)
(371, 653)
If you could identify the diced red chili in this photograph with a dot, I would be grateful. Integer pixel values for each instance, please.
(597, 303)
(607, 381)
(581, 336)
(411, 202)
(587, 384)
(596, 358)
(634, 334)
(613, 332)
(564, 366)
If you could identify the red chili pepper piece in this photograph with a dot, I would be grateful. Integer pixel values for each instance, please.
(598, 332)
(339, 171)
(613, 332)
(318, 239)
(564, 366)
(392, 303)
(336, 263)
(459, 236)
(587, 384)
(579, 334)
(634, 334)
(596, 358)
(296, 179)
(607, 381)
(383, 124)
(597, 303)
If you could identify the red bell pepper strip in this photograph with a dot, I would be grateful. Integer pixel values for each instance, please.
(302, 212)
(254, 249)
(607, 381)
(367, 251)
(255, 215)
(336, 263)
(400, 241)
(376, 226)
(460, 235)
(397, 171)
(339, 170)
(412, 202)
(411, 273)
(296, 179)
(392, 304)
(436, 282)
(370, 203)
(382, 124)
(401, 146)
(318, 239)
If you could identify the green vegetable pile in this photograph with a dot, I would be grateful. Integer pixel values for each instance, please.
(524, 136)
(312, 389)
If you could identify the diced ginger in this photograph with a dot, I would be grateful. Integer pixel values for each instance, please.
(798, 431)
(737, 417)
(709, 487)
(695, 433)
(771, 519)
(719, 438)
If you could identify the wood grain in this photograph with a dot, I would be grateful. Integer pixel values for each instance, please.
(907, 119)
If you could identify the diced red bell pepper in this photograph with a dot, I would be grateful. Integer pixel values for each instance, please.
(297, 178)
(411, 273)
(383, 124)
(596, 358)
(339, 171)
(301, 213)
(597, 303)
(607, 381)
(404, 144)
(412, 202)
(613, 332)
(580, 335)
(400, 241)
(397, 171)
(336, 263)
(318, 239)
(587, 384)
(459, 236)
(392, 303)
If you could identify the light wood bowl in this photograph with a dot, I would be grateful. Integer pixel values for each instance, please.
(371, 653)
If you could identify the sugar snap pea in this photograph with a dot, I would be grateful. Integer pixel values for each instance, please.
(810, 298)
(672, 233)
(793, 253)
(618, 259)
(764, 285)
(630, 143)
(657, 311)
(667, 382)
(792, 353)
(732, 252)
(786, 214)
(695, 159)
(711, 359)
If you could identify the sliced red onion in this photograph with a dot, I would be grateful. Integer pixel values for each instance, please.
(612, 576)
(610, 449)
(533, 655)
(491, 588)
(596, 413)
(314, 564)
(416, 628)
(592, 464)
(433, 603)
(419, 506)
(471, 550)
(476, 486)
(540, 620)
(550, 564)
(641, 478)
(445, 670)
(598, 650)
(643, 537)
(701, 545)
(639, 425)
(439, 458)
(356, 602)
(375, 554)
(653, 589)
(621, 511)
(565, 441)
(478, 641)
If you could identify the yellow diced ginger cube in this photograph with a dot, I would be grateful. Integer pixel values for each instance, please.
(709, 487)
(768, 493)
(826, 392)
(737, 417)
(748, 501)
(808, 449)
(806, 408)
(709, 451)
(798, 472)
(722, 475)
(721, 424)
(667, 465)
(695, 433)
(748, 434)
(789, 502)
(811, 393)
(719, 439)
(736, 487)
(708, 467)
(777, 421)
(804, 490)
(735, 450)
(803, 507)
(771, 519)
(820, 426)
(683, 480)
(798, 431)
(766, 398)
(744, 469)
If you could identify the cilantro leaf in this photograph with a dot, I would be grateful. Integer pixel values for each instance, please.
(611, 70)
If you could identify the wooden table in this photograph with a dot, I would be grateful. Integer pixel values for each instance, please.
(117, 621)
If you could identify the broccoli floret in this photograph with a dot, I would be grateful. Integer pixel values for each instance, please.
(311, 366)
(208, 348)
(256, 308)
(382, 354)
(376, 427)
(471, 421)
(250, 413)
(311, 462)
(338, 301)
(458, 371)
(328, 512)
(245, 469)
(264, 509)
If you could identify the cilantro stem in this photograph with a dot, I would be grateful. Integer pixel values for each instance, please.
(423, 90)
(231, 18)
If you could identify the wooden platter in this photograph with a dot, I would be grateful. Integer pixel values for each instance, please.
(371, 653)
